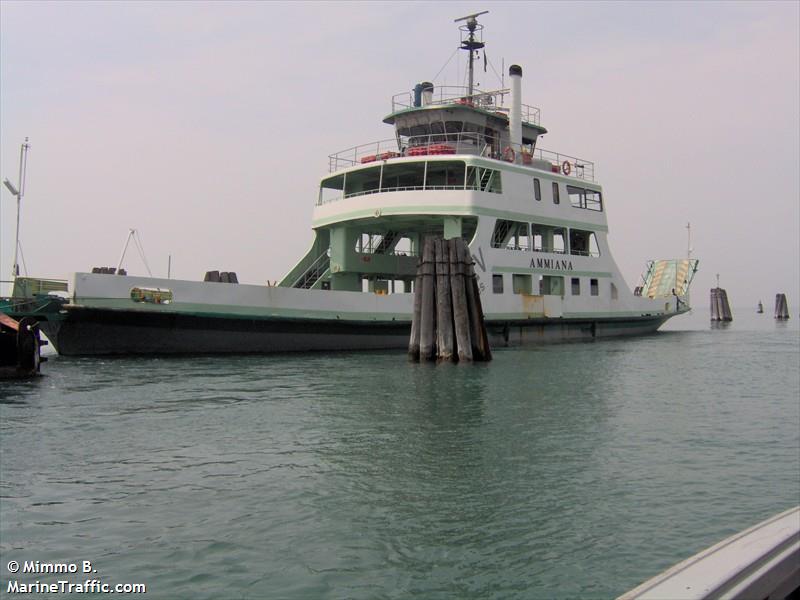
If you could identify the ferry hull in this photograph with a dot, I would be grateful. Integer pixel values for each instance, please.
(91, 332)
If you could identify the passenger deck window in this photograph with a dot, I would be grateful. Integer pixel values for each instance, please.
(537, 190)
(556, 199)
(497, 284)
(594, 288)
(576, 286)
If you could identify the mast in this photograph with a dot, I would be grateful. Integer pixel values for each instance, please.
(471, 44)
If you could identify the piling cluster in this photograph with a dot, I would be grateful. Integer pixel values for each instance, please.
(781, 307)
(720, 309)
(448, 317)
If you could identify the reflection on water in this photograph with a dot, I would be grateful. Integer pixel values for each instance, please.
(575, 470)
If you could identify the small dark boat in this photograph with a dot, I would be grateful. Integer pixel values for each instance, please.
(760, 307)
(19, 347)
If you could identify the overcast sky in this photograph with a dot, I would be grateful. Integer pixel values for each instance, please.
(207, 126)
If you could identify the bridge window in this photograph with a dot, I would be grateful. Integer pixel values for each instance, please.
(585, 198)
(556, 198)
(537, 189)
(594, 288)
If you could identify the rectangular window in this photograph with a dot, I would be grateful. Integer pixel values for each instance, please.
(548, 239)
(583, 243)
(594, 288)
(447, 175)
(521, 284)
(556, 199)
(576, 286)
(614, 292)
(484, 180)
(512, 235)
(552, 286)
(497, 284)
(537, 190)
(584, 198)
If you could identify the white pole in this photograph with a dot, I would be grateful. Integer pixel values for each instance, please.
(23, 157)
(125, 248)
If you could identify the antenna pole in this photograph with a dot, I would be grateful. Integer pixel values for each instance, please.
(471, 44)
(23, 166)
(471, 24)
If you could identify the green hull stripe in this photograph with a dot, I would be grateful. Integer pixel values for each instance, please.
(245, 312)
(480, 211)
(550, 272)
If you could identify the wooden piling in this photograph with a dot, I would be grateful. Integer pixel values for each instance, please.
(478, 335)
(444, 312)
(720, 307)
(427, 320)
(460, 308)
(448, 316)
(781, 307)
(413, 342)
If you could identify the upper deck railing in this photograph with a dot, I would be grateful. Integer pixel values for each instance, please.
(492, 101)
(474, 144)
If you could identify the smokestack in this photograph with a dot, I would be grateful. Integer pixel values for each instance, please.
(427, 93)
(515, 117)
(418, 95)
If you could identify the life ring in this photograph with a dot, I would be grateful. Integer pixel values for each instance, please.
(566, 168)
(509, 154)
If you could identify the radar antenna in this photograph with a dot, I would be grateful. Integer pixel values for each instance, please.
(470, 43)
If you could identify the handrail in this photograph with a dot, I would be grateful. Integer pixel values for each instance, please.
(313, 267)
(470, 143)
(493, 101)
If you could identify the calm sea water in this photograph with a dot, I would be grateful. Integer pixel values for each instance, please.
(567, 471)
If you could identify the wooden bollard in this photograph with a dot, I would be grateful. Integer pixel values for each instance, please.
(427, 321)
(444, 312)
(459, 295)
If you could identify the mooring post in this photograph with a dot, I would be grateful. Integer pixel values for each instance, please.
(477, 328)
(413, 342)
(427, 320)
(781, 307)
(444, 312)
(460, 309)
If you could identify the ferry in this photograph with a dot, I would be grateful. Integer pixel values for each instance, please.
(462, 162)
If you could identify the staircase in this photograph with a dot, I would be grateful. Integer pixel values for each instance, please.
(387, 242)
(312, 274)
